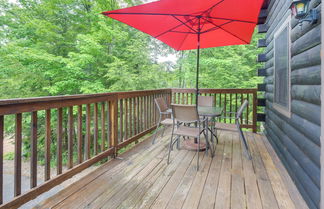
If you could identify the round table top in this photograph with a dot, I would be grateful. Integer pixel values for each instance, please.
(210, 111)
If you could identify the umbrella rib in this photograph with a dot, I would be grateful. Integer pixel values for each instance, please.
(215, 5)
(185, 24)
(216, 27)
(186, 37)
(227, 31)
(221, 18)
(172, 29)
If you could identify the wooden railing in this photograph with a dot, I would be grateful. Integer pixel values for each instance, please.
(229, 99)
(105, 123)
(85, 129)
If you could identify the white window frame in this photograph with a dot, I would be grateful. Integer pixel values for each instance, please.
(283, 110)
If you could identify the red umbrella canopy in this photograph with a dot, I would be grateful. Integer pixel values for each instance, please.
(177, 23)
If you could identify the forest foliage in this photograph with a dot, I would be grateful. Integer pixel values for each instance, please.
(63, 47)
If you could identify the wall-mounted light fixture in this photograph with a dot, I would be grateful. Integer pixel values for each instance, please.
(300, 9)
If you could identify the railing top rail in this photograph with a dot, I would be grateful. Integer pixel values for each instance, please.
(247, 90)
(75, 97)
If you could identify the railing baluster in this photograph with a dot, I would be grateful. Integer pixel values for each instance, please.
(131, 121)
(88, 133)
(17, 169)
(126, 118)
(1, 156)
(80, 135)
(70, 137)
(48, 140)
(231, 115)
(121, 115)
(138, 115)
(59, 140)
(103, 126)
(247, 109)
(33, 146)
(255, 125)
(95, 128)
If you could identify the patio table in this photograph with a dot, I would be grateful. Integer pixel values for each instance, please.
(208, 112)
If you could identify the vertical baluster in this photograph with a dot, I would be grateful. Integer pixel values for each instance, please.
(80, 140)
(1, 156)
(48, 140)
(225, 99)
(126, 119)
(109, 125)
(220, 104)
(231, 115)
(59, 140)
(113, 113)
(241, 105)
(95, 128)
(144, 112)
(103, 129)
(33, 147)
(247, 109)
(70, 137)
(121, 115)
(135, 115)
(17, 171)
(255, 125)
(151, 109)
(131, 121)
(138, 115)
(179, 101)
(88, 133)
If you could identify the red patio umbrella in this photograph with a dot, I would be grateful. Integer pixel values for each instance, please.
(194, 24)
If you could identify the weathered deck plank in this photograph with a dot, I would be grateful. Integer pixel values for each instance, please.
(144, 180)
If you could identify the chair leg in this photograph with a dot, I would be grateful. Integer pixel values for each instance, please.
(198, 153)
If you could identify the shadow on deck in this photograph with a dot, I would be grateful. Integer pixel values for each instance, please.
(142, 179)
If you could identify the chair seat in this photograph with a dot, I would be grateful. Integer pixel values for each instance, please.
(167, 121)
(226, 127)
(187, 131)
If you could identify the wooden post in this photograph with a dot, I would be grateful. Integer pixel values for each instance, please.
(18, 140)
(255, 100)
(113, 116)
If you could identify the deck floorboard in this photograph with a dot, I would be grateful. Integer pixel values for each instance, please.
(143, 179)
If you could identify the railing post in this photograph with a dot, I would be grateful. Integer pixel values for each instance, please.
(113, 114)
(255, 104)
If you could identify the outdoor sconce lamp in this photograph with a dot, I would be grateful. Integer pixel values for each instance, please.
(301, 12)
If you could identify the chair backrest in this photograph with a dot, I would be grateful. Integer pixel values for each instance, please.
(206, 101)
(240, 111)
(185, 113)
(161, 104)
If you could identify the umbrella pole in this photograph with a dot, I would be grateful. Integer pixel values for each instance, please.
(198, 58)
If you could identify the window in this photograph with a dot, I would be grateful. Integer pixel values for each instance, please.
(282, 69)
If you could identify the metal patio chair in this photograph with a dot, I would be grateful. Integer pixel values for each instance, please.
(237, 127)
(183, 116)
(164, 112)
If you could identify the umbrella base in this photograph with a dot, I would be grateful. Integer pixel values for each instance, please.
(190, 145)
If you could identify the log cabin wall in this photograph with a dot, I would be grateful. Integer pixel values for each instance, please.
(296, 139)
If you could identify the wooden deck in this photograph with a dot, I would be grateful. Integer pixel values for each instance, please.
(142, 179)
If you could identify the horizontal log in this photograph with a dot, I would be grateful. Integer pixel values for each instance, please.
(307, 93)
(269, 97)
(268, 80)
(262, 72)
(270, 71)
(307, 41)
(291, 165)
(305, 145)
(309, 129)
(269, 88)
(262, 16)
(262, 28)
(309, 171)
(262, 58)
(269, 63)
(262, 87)
(261, 117)
(310, 112)
(306, 76)
(308, 58)
(262, 43)
(261, 102)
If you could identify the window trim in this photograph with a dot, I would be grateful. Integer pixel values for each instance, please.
(281, 109)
